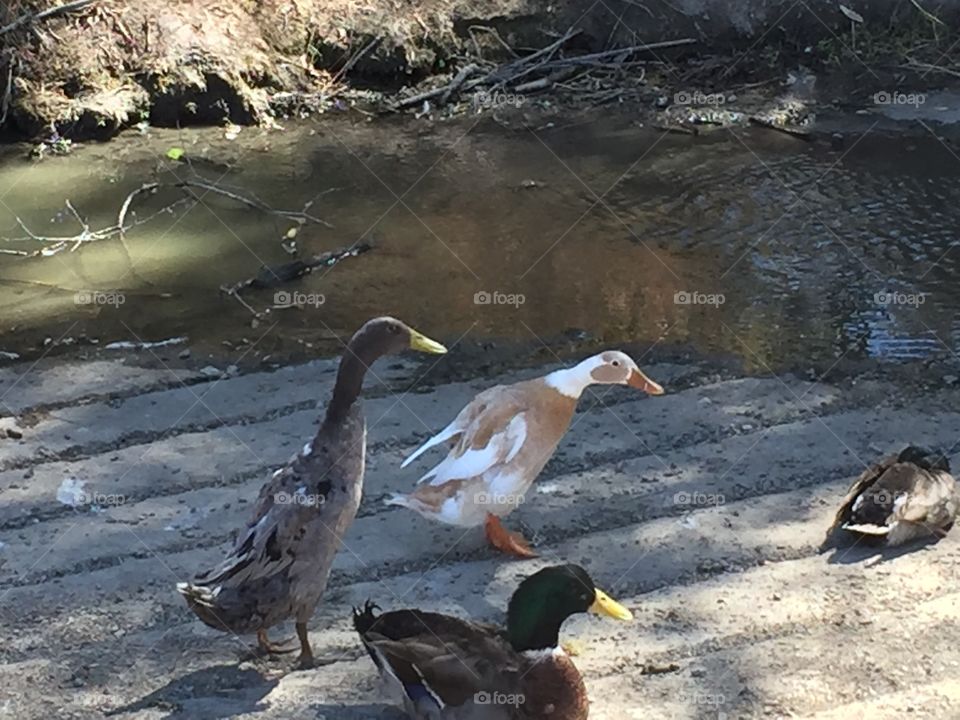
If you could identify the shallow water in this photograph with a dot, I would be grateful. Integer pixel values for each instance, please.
(786, 251)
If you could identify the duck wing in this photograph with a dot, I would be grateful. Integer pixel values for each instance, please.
(438, 661)
(252, 587)
(489, 431)
(894, 493)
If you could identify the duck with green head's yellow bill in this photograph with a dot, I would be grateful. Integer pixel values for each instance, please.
(279, 566)
(439, 667)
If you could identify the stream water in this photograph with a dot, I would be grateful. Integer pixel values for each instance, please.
(755, 243)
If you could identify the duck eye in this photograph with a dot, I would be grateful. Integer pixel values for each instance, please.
(616, 363)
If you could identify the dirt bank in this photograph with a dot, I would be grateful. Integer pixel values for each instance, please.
(111, 63)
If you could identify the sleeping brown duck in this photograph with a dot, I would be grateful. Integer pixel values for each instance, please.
(440, 667)
(900, 498)
(280, 564)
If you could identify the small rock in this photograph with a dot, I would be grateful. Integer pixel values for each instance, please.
(950, 379)
(184, 354)
(210, 371)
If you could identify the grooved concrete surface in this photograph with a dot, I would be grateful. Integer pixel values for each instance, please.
(701, 510)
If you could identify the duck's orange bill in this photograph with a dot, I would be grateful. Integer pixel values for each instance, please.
(641, 382)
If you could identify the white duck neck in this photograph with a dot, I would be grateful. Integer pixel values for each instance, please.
(572, 381)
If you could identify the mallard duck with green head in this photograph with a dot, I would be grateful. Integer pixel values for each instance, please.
(440, 667)
(279, 566)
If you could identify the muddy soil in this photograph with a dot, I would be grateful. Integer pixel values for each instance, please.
(702, 510)
(111, 63)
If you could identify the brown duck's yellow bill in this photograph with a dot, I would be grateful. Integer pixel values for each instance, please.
(425, 344)
(606, 605)
(641, 382)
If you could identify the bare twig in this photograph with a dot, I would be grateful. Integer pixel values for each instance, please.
(540, 70)
(430, 94)
(354, 59)
(251, 202)
(927, 67)
(522, 67)
(785, 129)
(121, 216)
(55, 244)
(460, 78)
(35, 17)
(491, 31)
(546, 82)
(8, 88)
(275, 275)
(235, 294)
(625, 52)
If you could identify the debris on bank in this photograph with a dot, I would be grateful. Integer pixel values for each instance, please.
(88, 68)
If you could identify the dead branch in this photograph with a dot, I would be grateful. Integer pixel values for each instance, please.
(546, 82)
(430, 94)
(8, 88)
(510, 69)
(354, 59)
(785, 129)
(251, 202)
(56, 244)
(460, 78)
(538, 71)
(31, 18)
(625, 52)
(270, 276)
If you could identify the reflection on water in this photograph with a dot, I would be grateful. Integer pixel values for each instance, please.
(775, 250)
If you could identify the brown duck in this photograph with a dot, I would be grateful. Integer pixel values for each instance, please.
(499, 443)
(280, 564)
(900, 498)
(440, 667)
